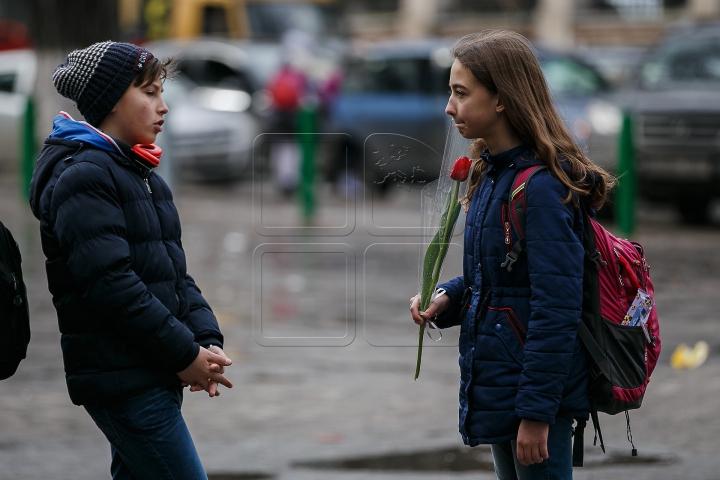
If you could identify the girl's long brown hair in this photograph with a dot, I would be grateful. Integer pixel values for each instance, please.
(504, 63)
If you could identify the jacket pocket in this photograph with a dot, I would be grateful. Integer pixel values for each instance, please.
(514, 322)
(507, 327)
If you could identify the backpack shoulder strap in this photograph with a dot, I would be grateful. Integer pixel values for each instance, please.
(516, 208)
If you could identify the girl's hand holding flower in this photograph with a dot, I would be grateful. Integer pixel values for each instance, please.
(436, 307)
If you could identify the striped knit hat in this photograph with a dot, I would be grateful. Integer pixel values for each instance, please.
(97, 76)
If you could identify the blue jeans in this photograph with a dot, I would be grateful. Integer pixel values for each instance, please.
(148, 437)
(558, 466)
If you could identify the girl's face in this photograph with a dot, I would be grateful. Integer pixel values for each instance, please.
(476, 111)
(138, 116)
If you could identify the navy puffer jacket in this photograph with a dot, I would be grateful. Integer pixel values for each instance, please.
(520, 356)
(129, 314)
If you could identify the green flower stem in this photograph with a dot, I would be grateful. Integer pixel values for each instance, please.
(434, 258)
(419, 357)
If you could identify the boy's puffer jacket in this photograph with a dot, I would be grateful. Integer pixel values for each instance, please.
(129, 314)
(520, 356)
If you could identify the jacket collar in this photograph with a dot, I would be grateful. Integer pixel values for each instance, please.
(67, 128)
(521, 156)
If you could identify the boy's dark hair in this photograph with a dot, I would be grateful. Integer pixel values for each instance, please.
(155, 69)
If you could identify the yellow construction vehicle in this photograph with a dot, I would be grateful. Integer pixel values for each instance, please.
(196, 18)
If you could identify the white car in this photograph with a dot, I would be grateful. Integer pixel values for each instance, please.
(216, 105)
(209, 132)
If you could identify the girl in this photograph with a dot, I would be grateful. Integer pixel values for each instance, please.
(523, 370)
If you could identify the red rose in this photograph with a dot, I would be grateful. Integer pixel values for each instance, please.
(461, 169)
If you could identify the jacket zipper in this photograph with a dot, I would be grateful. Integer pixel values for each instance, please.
(506, 228)
(147, 184)
(17, 300)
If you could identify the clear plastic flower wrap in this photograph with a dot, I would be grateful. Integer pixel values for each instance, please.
(440, 209)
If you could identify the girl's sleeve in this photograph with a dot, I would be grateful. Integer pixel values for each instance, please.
(454, 289)
(555, 257)
(90, 227)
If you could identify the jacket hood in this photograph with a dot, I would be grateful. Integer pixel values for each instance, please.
(68, 137)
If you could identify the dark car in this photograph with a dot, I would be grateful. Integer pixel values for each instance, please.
(393, 107)
(676, 112)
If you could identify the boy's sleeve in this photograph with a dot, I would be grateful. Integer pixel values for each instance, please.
(454, 289)
(202, 319)
(90, 227)
(555, 257)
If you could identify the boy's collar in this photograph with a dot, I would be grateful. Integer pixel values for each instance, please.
(64, 126)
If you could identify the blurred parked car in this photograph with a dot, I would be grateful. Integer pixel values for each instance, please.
(217, 106)
(676, 111)
(401, 87)
(17, 78)
(209, 130)
(218, 69)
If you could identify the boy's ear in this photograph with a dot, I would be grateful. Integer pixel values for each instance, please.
(114, 109)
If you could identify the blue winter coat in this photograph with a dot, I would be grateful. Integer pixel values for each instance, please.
(520, 356)
(129, 314)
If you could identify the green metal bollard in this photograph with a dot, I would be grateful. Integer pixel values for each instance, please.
(627, 187)
(307, 125)
(27, 148)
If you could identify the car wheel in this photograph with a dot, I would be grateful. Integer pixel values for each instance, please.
(694, 210)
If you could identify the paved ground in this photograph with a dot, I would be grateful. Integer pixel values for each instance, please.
(336, 384)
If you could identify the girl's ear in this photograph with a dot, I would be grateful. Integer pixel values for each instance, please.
(499, 106)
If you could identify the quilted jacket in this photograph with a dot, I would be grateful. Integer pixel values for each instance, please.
(520, 356)
(129, 314)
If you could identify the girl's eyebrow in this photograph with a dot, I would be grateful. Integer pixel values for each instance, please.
(457, 85)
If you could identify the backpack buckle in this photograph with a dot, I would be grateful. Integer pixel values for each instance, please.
(597, 260)
(510, 260)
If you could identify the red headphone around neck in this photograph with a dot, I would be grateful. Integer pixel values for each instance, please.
(148, 152)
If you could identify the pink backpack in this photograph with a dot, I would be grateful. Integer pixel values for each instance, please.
(619, 326)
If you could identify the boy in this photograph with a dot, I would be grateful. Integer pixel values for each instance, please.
(135, 327)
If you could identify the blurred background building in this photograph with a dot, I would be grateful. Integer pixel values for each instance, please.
(362, 65)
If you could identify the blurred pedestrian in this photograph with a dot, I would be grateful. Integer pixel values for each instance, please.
(523, 370)
(287, 87)
(135, 327)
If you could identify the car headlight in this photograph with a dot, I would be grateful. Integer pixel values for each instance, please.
(605, 118)
(222, 99)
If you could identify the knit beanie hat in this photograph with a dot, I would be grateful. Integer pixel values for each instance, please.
(97, 76)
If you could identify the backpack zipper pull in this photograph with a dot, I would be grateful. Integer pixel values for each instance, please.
(147, 184)
(507, 233)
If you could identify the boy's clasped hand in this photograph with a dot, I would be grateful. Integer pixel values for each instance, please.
(206, 371)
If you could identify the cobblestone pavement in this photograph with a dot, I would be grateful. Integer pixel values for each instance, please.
(326, 372)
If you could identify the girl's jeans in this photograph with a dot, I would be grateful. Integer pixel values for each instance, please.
(557, 467)
(148, 437)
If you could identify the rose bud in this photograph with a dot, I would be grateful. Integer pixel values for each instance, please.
(461, 169)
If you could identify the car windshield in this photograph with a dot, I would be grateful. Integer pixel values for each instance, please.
(567, 77)
(688, 61)
(396, 75)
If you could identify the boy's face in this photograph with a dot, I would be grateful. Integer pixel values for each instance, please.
(138, 115)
